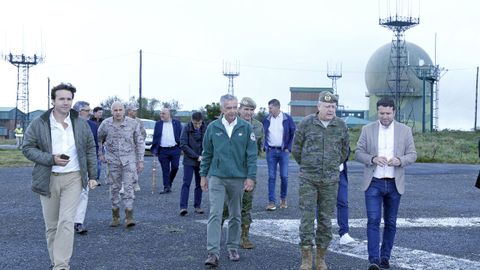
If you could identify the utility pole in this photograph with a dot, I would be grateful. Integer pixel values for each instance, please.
(140, 88)
(476, 103)
(48, 93)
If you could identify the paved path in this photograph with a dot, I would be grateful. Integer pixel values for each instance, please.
(438, 226)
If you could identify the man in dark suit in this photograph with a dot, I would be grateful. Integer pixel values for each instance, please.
(386, 147)
(166, 145)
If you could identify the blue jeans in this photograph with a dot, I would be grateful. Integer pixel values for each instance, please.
(342, 204)
(188, 171)
(169, 159)
(274, 157)
(381, 192)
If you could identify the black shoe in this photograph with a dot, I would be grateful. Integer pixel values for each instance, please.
(165, 191)
(373, 266)
(183, 212)
(384, 264)
(212, 260)
(80, 229)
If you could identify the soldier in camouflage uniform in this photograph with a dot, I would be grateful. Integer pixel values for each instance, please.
(132, 109)
(124, 150)
(247, 111)
(320, 146)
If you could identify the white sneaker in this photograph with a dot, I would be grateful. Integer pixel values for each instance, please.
(136, 187)
(346, 239)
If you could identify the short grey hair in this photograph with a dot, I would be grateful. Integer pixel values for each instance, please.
(79, 105)
(117, 103)
(225, 98)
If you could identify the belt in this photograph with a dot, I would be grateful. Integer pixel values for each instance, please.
(170, 147)
(386, 178)
(275, 147)
(62, 173)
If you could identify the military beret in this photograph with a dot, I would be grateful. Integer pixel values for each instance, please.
(132, 107)
(326, 96)
(248, 102)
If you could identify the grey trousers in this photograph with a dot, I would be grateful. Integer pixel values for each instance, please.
(220, 190)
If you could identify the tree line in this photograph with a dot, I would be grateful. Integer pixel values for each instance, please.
(150, 107)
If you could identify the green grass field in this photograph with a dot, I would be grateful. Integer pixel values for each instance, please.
(438, 147)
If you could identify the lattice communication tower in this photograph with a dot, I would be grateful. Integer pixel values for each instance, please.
(334, 75)
(397, 77)
(23, 64)
(231, 71)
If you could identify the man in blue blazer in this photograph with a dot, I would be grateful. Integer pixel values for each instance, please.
(166, 145)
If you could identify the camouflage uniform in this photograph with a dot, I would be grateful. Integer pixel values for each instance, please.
(124, 147)
(319, 151)
(144, 135)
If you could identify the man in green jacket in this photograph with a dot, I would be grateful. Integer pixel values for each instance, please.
(63, 149)
(230, 162)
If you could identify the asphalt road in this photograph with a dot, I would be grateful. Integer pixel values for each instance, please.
(164, 240)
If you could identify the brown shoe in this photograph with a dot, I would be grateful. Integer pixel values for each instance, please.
(283, 204)
(271, 207)
(212, 260)
(233, 255)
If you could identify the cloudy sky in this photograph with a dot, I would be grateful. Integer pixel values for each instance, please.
(279, 44)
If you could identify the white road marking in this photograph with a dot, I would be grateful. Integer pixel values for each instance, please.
(286, 230)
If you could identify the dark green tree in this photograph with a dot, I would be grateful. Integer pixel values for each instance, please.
(261, 114)
(106, 104)
(213, 111)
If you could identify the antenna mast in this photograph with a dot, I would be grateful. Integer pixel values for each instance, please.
(397, 78)
(231, 71)
(23, 64)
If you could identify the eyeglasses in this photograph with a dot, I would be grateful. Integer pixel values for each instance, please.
(85, 110)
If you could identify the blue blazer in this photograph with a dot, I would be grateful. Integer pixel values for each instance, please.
(157, 134)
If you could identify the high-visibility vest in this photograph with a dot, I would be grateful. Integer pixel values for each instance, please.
(19, 131)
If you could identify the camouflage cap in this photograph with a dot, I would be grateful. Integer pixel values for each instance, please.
(132, 107)
(326, 96)
(248, 102)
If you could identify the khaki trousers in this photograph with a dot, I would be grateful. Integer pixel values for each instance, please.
(58, 213)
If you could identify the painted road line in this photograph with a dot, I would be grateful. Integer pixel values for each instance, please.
(286, 230)
(422, 222)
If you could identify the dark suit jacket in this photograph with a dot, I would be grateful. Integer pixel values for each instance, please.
(157, 134)
(404, 149)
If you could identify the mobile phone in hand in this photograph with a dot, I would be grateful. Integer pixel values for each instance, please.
(63, 156)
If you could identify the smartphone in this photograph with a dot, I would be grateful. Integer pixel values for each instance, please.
(63, 156)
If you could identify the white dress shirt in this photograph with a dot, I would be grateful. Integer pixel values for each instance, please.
(275, 131)
(385, 149)
(229, 126)
(168, 137)
(63, 142)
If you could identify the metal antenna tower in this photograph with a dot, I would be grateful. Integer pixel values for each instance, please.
(334, 75)
(397, 78)
(23, 64)
(231, 71)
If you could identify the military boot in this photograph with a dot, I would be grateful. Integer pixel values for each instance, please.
(129, 221)
(115, 217)
(245, 243)
(307, 258)
(320, 259)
